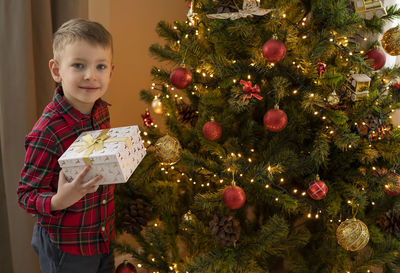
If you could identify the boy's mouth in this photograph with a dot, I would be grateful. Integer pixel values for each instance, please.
(89, 88)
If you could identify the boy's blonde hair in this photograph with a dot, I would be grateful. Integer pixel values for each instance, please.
(80, 30)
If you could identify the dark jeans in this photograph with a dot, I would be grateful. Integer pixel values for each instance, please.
(54, 260)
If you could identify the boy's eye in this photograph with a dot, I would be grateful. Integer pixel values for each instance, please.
(78, 66)
(101, 66)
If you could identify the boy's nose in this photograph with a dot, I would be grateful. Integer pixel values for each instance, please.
(90, 74)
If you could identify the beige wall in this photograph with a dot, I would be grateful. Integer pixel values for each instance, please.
(132, 24)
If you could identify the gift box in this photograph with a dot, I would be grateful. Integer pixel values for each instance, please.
(113, 153)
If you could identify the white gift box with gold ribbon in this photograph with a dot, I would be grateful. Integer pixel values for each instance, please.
(113, 153)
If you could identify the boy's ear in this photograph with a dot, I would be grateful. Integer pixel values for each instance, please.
(55, 70)
(112, 70)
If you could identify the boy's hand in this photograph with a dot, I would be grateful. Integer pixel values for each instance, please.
(69, 193)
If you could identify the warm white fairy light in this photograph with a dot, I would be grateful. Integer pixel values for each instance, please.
(304, 37)
(155, 224)
(324, 117)
(303, 193)
(234, 80)
(295, 191)
(249, 159)
(145, 133)
(316, 113)
(221, 180)
(276, 199)
(252, 180)
(373, 203)
(249, 76)
(282, 180)
(178, 180)
(295, 91)
(309, 215)
(267, 186)
(148, 142)
(139, 265)
(312, 95)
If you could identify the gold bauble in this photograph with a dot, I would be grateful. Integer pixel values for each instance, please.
(391, 41)
(157, 107)
(352, 234)
(168, 150)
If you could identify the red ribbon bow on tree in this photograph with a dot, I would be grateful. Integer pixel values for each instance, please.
(250, 90)
(147, 119)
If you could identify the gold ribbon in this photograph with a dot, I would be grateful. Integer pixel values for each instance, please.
(91, 144)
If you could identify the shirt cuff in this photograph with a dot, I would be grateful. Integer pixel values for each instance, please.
(43, 205)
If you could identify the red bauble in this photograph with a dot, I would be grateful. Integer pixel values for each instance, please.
(275, 120)
(212, 130)
(181, 78)
(234, 197)
(126, 267)
(376, 58)
(317, 189)
(274, 51)
(393, 189)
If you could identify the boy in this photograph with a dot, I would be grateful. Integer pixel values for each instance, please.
(74, 220)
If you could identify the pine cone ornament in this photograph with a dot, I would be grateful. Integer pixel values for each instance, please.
(389, 222)
(136, 216)
(187, 113)
(225, 230)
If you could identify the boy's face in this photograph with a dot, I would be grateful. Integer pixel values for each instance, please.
(84, 70)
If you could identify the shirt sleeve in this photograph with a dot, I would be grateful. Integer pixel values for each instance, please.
(35, 188)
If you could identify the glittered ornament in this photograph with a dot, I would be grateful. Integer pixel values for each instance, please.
(352, 234)
(167, 150)
(376, 58)
(212, 130)
(125, 267)
(317, 189)
(274, 51)
(275, 120)
(157, 107)
(234, 197)
(181, 78)
(333, 98)
(391, 41)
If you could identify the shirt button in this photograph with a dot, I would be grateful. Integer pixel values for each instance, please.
(104, 201)
(103, 229)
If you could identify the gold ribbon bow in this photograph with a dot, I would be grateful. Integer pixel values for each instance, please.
(91, 144)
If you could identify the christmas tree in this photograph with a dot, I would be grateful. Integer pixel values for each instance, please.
(280, 154)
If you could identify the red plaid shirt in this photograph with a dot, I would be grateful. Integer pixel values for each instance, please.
(87, 227)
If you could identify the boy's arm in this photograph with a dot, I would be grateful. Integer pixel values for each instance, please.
(35, 188)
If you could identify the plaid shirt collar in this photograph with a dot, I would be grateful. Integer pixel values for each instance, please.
(72, 115)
